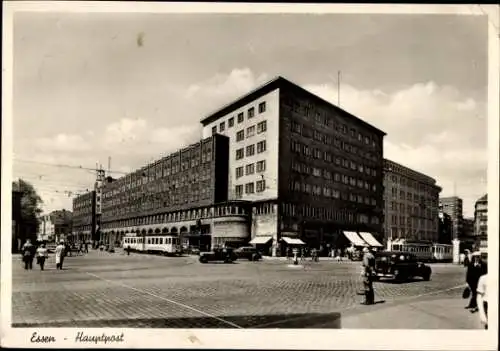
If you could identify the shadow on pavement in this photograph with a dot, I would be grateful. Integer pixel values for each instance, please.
(297, 321)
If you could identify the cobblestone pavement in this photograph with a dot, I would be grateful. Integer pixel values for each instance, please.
(115, 290)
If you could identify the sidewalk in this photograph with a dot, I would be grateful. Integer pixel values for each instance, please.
(430, 314)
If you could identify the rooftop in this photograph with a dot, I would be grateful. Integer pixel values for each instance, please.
(275, 83)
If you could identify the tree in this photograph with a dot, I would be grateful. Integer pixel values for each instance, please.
(30, 210)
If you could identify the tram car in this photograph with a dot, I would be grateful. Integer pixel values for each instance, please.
(163, 244)
(425, 251)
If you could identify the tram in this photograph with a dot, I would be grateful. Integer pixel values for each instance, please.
(425, 250)
(164, 244)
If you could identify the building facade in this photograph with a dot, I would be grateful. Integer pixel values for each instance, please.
(481, 222)
(185, 193)
(46, 229)
(63, 224)
(84, 217)
(311, 169)
(453, 206)
(411, 204)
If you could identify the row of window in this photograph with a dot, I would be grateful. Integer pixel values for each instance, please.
(250, 150)
(250, 188)
(414, 222)
(251, 168)
(178, 216)
(326, 119)
(329, 175)
(240, 118)
(250, 131)
(421, 199)
(328, 213)
(328, 192)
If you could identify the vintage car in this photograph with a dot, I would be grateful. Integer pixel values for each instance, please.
(224, 254)
(248, 252)
(400, 266)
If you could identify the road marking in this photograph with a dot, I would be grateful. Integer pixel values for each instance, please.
(168, 300)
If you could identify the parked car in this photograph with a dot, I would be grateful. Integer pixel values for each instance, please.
(218, 254)
(400, 266)
(248, 252)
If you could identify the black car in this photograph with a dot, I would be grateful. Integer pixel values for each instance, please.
(225, 254)
(248, 252)
(400, 266)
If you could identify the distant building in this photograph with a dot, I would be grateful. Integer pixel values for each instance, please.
(63, 222)
(411, 204)
(445, 228)
(481, 221)
(84, 217)
(46, 228)
(453, 206)
(311, 169)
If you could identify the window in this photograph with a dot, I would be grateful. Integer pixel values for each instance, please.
(238, 190)
(261, 146)
(240, 117)
(250, 169)
(262, 127)
(250, 131)
(214, 130)
(296, 146)
(251, 112)
(316, 172)
(239, 172)
(317, 153)
(296, 127)
(250, 150)
(261, 185)
(249, 188)
(239, 154)
(261, 166)
(222, 126)
(262, 107)
(230, 122)
(240, 135)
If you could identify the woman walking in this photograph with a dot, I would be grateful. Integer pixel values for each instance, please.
(60, 252)
(41, 255)
(28, 252)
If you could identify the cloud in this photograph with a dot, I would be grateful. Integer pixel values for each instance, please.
(63, 142)
(430, 128)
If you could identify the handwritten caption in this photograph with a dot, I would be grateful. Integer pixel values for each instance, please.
(81, 337)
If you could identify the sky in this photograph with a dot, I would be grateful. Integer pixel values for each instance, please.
(133, 87)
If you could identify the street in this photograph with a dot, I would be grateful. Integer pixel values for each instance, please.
(142, 291)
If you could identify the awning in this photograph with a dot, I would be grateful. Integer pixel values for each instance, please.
(292, 241)
(368, 237)
(260, 240)
(355, 239)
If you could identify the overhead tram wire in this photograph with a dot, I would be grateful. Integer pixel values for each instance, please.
(67, 166)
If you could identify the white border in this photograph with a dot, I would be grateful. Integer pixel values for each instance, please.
(249, 339)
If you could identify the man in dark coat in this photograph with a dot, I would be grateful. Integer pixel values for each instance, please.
(474, 271)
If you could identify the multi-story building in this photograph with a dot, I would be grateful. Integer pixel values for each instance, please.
(46, 229)
(311, 169)
(481, 222)
(184, 193)
(63, 223)
(84, 217)
(453, 206)
(411, 204)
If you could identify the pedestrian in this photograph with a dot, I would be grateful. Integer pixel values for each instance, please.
(86, 247)
(28, 252)
(474, 272)
(60, 253)
(369, 271)
(41, 255)
(467, 258)
(128, 250)
(482, 298)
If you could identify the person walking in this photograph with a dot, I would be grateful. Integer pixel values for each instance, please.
(60, 253)
(482, 298)
(41, 255)
(86, 247)
(474, 272)
(28, 252)
(369, 271)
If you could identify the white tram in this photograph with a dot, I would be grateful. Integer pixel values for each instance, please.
(425, 251)
(153, 243)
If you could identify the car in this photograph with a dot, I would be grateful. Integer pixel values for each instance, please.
(248, 252)
(400, 266)
(224, 254)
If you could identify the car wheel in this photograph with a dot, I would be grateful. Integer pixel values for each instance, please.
(203, 260)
